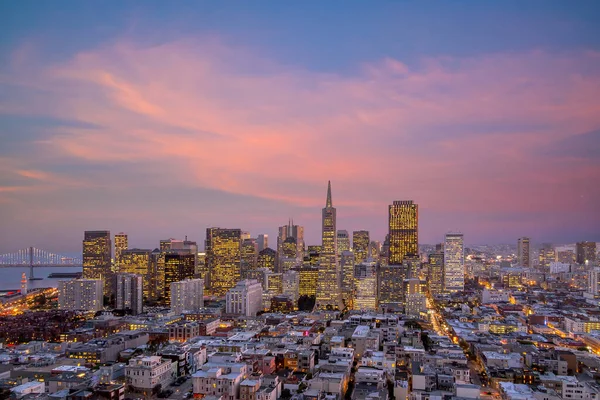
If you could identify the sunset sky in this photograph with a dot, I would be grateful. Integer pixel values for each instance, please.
(161, 119)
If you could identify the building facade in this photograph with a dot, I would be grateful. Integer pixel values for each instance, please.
(454, 263)
(403, 231)
(97, 250)
(81, 294)
(360, 245)
(187, 295)
(245, 298)
(129, 293)
(223, 259)
(523, 253)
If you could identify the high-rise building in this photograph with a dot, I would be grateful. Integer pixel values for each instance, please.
(403, 231)
(360, 246)
(391, 285)
(414, 297)
(289, 257)
(454, 263)
(285, 232)
(291, 284)
(156, 289)
(129, 293)
(223, 259)
(347, 267)
(138, 261)
(547, 255)
(244, 299)
(435, 273)
(375, 250)
(187, 295)
(308, 277)
(121, 244)
(343, 242)
(97, 251)
(365, 278)
(80, 294)
(263, 241)
(266, 259)
(248, 256)
(523, 253)
(328, 286)
(565, 254)
(178, 267)
(586, 253)
(314, 253)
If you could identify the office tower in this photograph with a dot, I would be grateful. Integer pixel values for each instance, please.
(435, 273)
(245, 298)
(129, 293)
(328, 286)
(384, 254)
(403, 231)
(201, 265)
(343, 242)
(586, 253)
(375, 250)
(414, 297)
(391, 285)
(308, 277)
(138, 261)
(272, 283)
(178, 267)
(263, 241)
(80, 294)
(289, 257)
(360, 246)
(547, 255)
(565, 254)
(248, 256)
(187, 295)
(97, 249)
(523, 254)
(285, 232)
(365, 277)
(412, 264)
(454, 263)
(291, 283)
(120, 245)
(267, 258)
(347, 267)
(314, 253)
(223, 259)
(156, 286)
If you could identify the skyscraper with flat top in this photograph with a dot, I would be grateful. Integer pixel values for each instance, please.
(403, 231)
(97, 249)
(454, 263)
(328, 285)
(586, 252)
(121, 244)
(523, 255)
(223, 259)
(360, 246)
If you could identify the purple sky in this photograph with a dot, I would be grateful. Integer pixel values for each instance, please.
(161, 121)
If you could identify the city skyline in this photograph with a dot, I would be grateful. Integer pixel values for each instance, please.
(162, 122)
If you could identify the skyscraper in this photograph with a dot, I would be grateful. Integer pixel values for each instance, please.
(391, 285)
(360, 245)
(129, 293)
(137, 261)
(245, 298)
(403, 231)
(347, 267)
(121, 244)
(586, 252)
(343, 242)
(80, 294)
(178, 267)
(266, 259)
(285, 232)
(435, 273)
(248, 256)
(223, 259)
(187, 295)
(523, 254)
(365, 277)
(328, 286)
(547, 255)
(263, 241)
(97, 250)
(454, 263)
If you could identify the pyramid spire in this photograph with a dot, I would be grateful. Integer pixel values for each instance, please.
(329, 202)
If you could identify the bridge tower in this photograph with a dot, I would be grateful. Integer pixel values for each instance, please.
(31, 276)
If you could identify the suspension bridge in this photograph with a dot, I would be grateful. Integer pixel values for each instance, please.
(33, 257)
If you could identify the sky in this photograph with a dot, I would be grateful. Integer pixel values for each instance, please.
(160, 119)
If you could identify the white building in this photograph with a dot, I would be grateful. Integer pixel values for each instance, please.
(187, 295)
(454, 263)
(245, 298)
(365, 280)
(145, 373)
(33, 387)
(81, 294)
(494, 296)
(219, 379)
(129, 293)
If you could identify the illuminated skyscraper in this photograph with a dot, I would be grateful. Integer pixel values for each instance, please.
(129, 293)
(414, 297)
(360, 245)
(343, 242)
(249, 256)
(263, 241)
(454, 263)
(375, 250)
(347, 267)
(178, 267)
(308, 277)
(285, 232)
(365, 278)
(139, 262)
(435, 273)
(223, 259)
(391, 285)
(120, 245)
(266, 259)
(586, 253)
(547, 255)
(328, 286)
(523, 254)
(314, 253)
(403, 231)
(97, 250)
(291, 283)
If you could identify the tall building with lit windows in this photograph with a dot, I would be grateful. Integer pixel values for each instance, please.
(248, 256)
(121, 243)
(403, 231)
(547, 255)
(328, 286)
(286, 232)
(129, 293)
(80, 294)
(266, 259)
(308, 277)
(586, 253)
(343, 242)
(347, 267)
(137, 261)
(454, 263)
(263, 241)
(435, 273)
(97, 249)
(360, 245)
(223, 259)
(187, 295)
(178, 267)
(523, 254)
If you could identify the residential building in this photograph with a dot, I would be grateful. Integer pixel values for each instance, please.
(129, 293)
(187, 295)
(245, 298)
(81, 294)
(146, 373)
